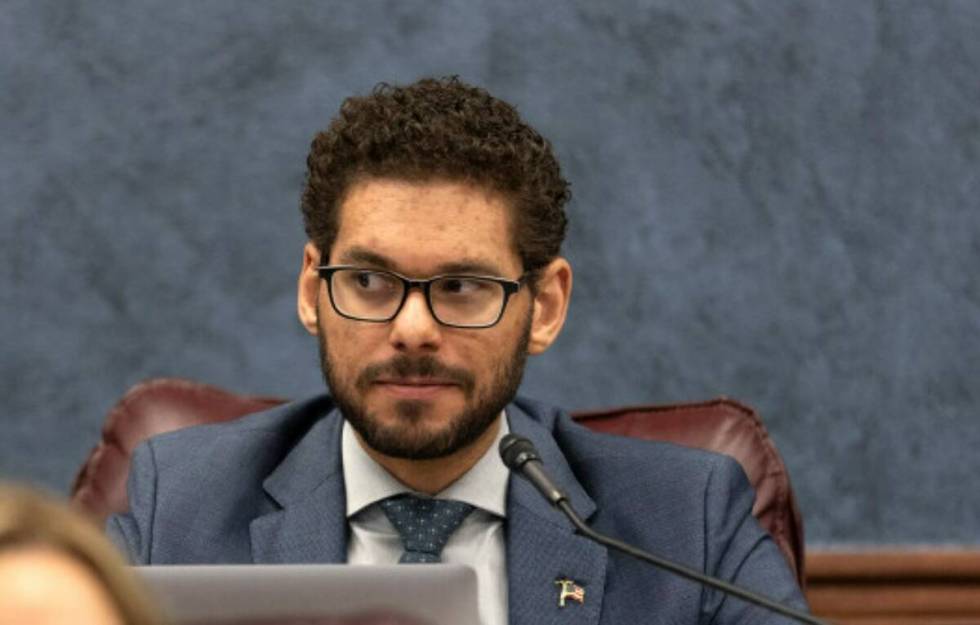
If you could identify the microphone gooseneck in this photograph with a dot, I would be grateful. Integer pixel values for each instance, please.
(520, 456)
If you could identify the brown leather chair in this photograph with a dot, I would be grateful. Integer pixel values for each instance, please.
(720, 425)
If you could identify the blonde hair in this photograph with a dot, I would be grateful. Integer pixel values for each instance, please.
(29, 519)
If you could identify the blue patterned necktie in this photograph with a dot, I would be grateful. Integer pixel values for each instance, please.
(424, 525)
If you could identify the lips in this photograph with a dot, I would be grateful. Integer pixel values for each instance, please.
(416, 381)
(415, 375)
(414, 388)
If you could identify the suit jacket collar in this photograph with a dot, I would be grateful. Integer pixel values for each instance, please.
(308, 484)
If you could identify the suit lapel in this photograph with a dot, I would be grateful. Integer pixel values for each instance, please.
(308, 485)
(542, 546)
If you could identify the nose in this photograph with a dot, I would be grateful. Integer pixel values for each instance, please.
(414, 328)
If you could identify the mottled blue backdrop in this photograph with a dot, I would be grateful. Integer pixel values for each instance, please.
(773, 200)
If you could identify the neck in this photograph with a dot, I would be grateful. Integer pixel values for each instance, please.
(435, 475)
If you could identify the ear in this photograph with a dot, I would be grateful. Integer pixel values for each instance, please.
(308, 291)
(554, 291)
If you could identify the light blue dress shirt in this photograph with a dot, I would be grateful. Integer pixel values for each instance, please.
(479, 541)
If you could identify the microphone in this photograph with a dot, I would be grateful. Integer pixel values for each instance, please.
(520, 456)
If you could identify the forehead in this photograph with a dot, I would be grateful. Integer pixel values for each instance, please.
(421, 228)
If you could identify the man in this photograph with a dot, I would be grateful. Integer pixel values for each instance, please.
(435, 219)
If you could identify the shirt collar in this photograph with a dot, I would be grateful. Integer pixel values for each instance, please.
(484, 486)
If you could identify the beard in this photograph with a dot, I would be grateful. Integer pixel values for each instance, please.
(408, 438)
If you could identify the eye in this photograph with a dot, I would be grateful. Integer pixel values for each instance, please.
(462, 287)
(364, 280)
(371, 281)
(454, 285)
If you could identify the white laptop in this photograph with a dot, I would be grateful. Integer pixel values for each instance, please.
(433, 594)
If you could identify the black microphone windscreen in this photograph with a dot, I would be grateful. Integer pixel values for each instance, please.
(516, 450)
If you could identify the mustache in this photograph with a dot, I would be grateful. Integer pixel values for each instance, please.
(420, 367)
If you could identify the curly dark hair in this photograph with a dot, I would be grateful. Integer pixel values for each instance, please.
(439, 129)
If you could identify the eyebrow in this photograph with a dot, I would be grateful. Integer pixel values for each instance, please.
(361, 255)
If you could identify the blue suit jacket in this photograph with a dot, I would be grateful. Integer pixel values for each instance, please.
(269, 488)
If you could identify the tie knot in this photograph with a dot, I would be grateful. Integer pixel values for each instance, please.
(424, 524)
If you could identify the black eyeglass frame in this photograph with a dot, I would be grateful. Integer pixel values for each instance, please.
(510, 287)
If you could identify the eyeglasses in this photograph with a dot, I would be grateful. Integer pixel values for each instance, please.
(458, 301)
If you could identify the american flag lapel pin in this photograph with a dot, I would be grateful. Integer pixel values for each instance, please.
(568, 589)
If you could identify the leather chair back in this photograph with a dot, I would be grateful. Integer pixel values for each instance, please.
(721, 425)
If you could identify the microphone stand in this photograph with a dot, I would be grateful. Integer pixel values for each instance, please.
(520, 456)
(683, 571)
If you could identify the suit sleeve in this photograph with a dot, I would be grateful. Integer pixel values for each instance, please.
(132, 532)
(739, 550)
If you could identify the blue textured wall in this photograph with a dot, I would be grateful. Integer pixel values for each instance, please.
(775, 201)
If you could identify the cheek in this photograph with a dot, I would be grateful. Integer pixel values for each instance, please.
(485, 356)
(350, 345)
(342, 347)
